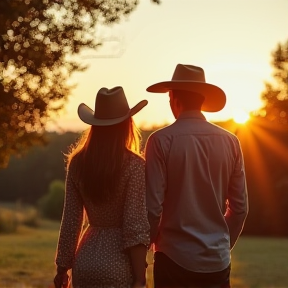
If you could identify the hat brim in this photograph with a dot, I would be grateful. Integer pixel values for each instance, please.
(86, 114)
(215, 98)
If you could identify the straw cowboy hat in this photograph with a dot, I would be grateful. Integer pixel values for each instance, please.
(192, 78)
(111, 107)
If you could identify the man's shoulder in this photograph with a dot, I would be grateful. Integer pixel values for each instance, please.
(221, 130)
(160, 137)
(163, 131)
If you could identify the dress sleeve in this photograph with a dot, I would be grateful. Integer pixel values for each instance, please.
(71, 224)
(135, 220)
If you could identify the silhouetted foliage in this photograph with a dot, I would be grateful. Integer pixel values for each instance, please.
(39, 42)
(275, 95)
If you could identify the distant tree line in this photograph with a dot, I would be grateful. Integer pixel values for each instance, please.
(27, 178)
(265, 149)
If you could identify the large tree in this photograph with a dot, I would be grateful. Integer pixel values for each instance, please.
(39, 42)
(275, 95)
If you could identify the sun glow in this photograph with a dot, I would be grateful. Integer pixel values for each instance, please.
(241, 116)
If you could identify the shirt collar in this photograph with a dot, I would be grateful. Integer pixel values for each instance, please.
(192, 114)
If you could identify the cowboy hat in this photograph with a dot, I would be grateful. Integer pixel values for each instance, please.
(192, 78)
(111, 107)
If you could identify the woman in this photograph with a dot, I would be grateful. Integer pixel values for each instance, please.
(105, 182)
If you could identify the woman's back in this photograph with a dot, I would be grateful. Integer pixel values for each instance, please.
(110, 212)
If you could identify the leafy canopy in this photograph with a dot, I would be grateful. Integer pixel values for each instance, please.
(39, 42)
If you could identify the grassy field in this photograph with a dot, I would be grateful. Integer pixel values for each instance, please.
(26, 260)
(27, 257)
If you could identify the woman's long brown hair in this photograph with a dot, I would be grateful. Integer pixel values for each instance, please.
(99, 157)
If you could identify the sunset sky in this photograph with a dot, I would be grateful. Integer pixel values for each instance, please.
(231, 40)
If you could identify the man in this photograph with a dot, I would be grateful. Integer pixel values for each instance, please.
(196, 187)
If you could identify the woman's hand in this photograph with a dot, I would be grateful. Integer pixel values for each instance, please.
(61, 280)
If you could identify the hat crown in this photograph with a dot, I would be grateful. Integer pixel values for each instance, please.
(189, 73)
(111, 103)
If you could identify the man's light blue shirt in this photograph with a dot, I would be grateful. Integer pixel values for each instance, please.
(196, 192)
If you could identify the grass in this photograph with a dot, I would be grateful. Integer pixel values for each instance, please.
(27, 260)
(27, 257)
(260, 262)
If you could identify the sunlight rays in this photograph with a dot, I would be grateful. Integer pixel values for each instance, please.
(256, 139)
(279, 148)
(248, 139)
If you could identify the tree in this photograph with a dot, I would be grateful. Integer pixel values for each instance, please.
(275, 96)
(39, 42)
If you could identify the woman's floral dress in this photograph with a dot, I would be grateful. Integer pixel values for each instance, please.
(98, 254)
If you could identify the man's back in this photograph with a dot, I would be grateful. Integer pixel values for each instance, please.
(195, 167)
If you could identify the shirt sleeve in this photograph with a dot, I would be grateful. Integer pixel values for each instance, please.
(71, 224)
(237, 204)
(135, 221)
(156, 183)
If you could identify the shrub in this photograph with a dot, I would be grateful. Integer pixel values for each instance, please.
(8, 221)
(51, 204)
(31, 217)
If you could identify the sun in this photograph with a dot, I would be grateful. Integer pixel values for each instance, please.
(240, 116)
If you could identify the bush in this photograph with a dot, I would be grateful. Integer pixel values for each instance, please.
(8, 221)
(30, 217)
(51, 204)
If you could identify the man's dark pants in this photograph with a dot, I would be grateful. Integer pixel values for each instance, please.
(169, 274)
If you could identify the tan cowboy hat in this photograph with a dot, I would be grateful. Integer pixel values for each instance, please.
(111, 107)
(192, 78)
